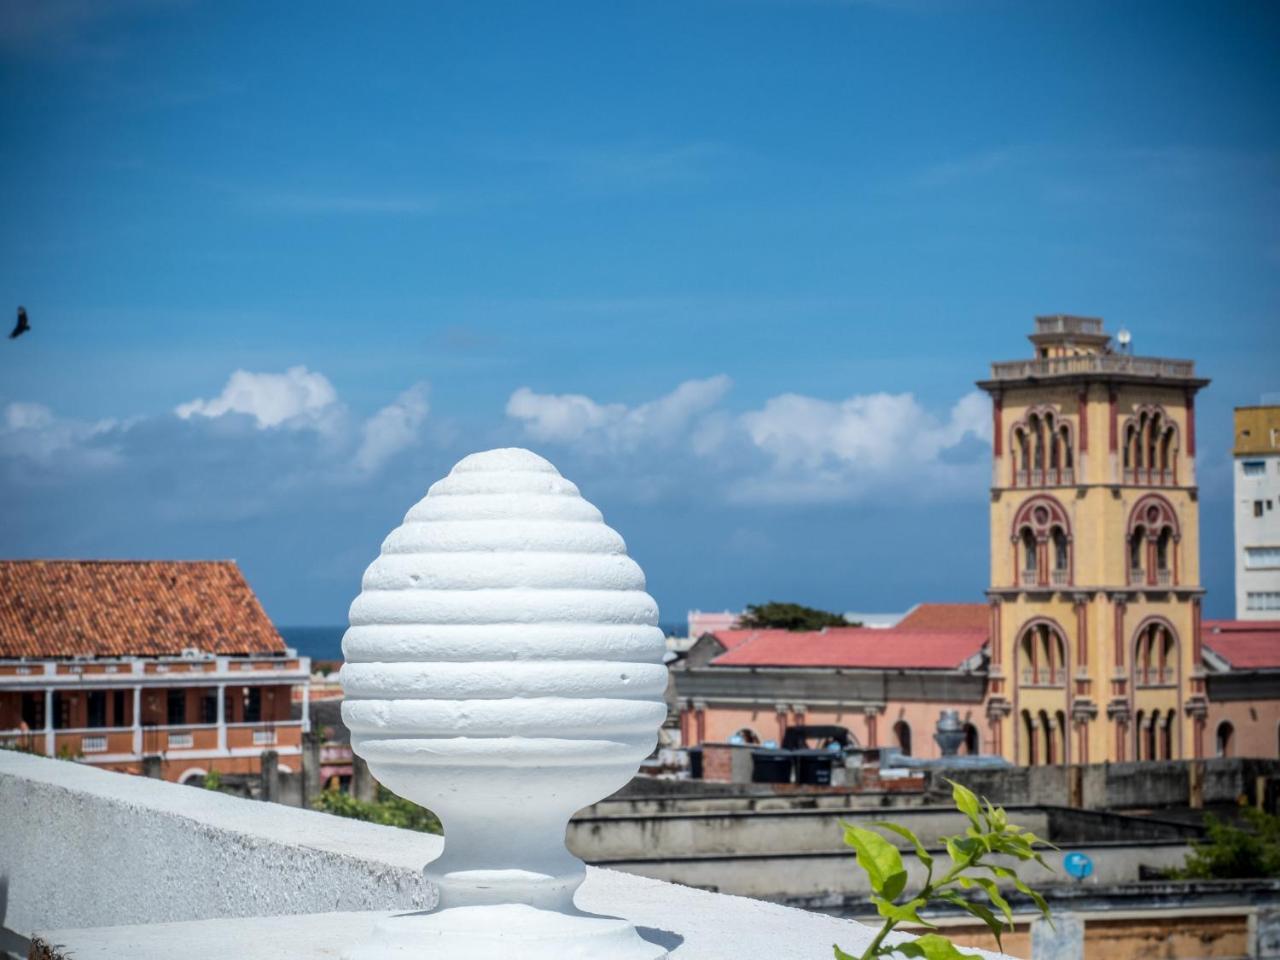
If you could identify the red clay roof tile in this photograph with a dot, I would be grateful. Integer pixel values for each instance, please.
(110, 608)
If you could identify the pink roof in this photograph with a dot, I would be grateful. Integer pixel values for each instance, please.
(701, 622)
(884, 649)
(1244, 644)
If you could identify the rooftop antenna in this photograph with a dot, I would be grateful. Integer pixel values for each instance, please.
(1125, 341)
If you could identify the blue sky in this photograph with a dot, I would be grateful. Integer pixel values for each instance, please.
(733, 265)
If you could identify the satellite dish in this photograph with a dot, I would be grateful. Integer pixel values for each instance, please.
(1077, 864)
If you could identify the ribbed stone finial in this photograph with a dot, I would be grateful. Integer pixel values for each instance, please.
(504, 668)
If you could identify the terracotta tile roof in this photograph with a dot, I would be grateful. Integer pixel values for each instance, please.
(947, 616)
(86, 608)
(867, 647)
(1244, 644)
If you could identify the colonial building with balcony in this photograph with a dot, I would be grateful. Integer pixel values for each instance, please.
(169, 664)
(1095, 582)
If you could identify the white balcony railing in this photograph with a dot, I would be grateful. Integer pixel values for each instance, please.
(262, 738)
(181, 741)
(1030, 578)
(1061, 577)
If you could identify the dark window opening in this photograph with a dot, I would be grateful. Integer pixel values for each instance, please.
(177, 708)
(97, 709)
(209, 706)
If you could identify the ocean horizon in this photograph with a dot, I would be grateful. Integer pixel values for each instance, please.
(325, 642)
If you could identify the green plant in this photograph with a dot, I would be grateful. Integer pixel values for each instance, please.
(213, 780)
(387, 809)
(788, 616)
(1234, 851)
(989, 833)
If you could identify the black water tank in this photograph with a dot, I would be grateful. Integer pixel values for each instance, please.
(770, 766)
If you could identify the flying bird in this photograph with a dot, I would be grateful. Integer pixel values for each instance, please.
(22, 326)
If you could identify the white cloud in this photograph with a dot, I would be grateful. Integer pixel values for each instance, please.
(295, 398)
(577, 419)
(32, 432)
(393, 428)
(794, 448)
(824, 450)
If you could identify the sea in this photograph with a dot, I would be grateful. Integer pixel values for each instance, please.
(325, 643)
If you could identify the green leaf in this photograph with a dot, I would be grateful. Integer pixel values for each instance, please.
(980, 911)
(841, 955)
(1008, 874)
(902, 913)
(966, 802)
(880, 859)
(925, 856)
(930, 947)
(960, 849)
(994, 895)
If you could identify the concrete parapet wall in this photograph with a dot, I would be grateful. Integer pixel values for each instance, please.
(84, 847)
(1113, 786)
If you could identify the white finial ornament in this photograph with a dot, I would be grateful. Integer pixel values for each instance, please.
(504, 668)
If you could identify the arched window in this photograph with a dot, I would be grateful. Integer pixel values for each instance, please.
(1042, 519)
(1029, 561)
(1060, 736)
(1037, 456)
(1137, 543)
(1152, 541)
(1226, 738)
(1042, 654)
(972, 740)
(1155, 654)
(1046, 728)
(1166, 736)
(1150, 446)
(902, 734)
(1027, 749)
(1139, 724)
(1061, 556)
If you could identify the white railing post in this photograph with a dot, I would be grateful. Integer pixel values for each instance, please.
(504, 669)
(222, 718)
(137, 719)
(49, 750)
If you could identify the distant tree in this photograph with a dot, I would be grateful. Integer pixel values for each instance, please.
(788, 616)
(1235, 851)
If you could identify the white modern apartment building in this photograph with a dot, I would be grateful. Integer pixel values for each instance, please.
(1257, 501)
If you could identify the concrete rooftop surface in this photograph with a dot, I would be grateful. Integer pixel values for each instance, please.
(105, 865)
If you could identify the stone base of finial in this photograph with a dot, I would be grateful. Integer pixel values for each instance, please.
(501, 932)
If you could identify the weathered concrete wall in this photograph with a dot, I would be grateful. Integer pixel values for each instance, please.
(763, 833)
(1113, 786)
(829, 881)
(85, 847)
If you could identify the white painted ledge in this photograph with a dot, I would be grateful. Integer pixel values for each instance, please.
(105, 865)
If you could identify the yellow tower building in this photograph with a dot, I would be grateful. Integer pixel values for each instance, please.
(1095, 559)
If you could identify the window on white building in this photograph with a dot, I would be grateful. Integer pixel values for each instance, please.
(1254, 468)
(1257, 508)
(1262, 600)
(1257, 558)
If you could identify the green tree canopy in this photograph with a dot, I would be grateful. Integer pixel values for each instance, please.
(1244, 851)
(789, 616)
